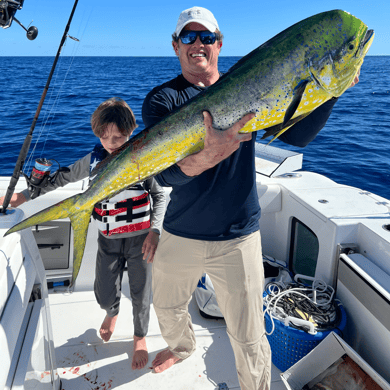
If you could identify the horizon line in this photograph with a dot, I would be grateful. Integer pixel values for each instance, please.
(146, 56)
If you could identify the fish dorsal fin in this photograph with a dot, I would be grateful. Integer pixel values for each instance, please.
(99, 167)
(298, 93)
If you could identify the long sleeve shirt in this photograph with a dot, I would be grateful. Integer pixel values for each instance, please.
(222, 202)
(82, 168)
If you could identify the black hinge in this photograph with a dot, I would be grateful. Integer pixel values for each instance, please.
(52, 246)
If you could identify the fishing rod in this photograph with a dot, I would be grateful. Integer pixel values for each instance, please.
(27, 142)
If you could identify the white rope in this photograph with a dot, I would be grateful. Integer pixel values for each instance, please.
(275, 291)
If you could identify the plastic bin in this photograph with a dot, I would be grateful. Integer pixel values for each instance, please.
(288, 345)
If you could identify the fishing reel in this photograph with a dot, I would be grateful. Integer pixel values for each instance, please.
(8, 10)
(40, 176)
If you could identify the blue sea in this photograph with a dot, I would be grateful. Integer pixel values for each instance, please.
(352, 149)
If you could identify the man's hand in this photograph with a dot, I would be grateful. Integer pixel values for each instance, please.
(16, 200)
(218, 145)
(150, 245)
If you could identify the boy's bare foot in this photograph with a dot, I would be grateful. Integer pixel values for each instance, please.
(140, 356)
(164, 360)
(107, 327)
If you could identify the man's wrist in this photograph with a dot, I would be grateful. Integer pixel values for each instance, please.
(192, 165)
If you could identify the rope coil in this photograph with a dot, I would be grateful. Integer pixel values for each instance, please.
(309, 308)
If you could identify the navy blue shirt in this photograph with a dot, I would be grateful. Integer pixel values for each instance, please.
(222, 202)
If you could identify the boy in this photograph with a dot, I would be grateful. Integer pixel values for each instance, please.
(119, 241)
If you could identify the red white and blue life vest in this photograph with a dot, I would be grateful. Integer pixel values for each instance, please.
(126, 212)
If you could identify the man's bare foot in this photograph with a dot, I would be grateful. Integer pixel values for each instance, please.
(164, 360)
(107, 327)
(140, 356)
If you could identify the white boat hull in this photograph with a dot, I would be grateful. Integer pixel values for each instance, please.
(338, 216)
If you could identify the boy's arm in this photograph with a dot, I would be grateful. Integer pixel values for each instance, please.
(158, 197)
(79, 170)
(16, 200)
(149, 246)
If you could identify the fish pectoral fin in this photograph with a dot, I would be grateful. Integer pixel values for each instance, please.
(282, 127)
(80, 222)
(292, 108)
(298, 93)
(272, 130)
(278, 134)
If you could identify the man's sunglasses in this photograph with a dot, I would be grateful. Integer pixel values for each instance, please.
(206, 37)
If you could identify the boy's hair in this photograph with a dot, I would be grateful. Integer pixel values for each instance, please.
(116, 111)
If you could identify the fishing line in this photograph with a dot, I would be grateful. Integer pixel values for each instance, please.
(53, 106)
(53, 110)
(57, 99)
(27, 141)
(29, 160)
(47, 115)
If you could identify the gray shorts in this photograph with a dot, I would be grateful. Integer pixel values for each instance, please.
(112, 257)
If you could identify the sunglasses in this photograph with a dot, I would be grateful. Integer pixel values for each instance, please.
(206, 37)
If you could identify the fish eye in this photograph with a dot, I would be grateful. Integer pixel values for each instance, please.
(351, 47)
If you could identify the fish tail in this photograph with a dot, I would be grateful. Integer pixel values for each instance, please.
(80, 222)
(57, 211)
(79, 218)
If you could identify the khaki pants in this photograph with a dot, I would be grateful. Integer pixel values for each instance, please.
(235, 268)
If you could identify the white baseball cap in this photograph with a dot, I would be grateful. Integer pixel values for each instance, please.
(198, 15)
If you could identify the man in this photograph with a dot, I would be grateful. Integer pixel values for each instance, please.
(212, 222)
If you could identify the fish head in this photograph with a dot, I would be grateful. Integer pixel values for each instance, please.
(345, 45)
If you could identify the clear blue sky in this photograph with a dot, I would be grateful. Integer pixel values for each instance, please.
(144, 28)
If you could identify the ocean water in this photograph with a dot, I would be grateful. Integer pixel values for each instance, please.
(352, 149)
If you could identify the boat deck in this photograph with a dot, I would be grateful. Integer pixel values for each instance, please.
(85, 362)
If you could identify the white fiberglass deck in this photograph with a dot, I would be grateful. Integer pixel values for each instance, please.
(85, 362)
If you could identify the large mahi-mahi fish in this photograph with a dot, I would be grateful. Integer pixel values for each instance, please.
(282, 81)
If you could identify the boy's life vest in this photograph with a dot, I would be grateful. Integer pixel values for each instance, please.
(126, 212)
